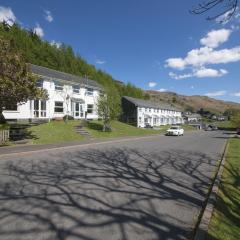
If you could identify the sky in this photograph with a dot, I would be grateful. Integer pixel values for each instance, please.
(156, 45)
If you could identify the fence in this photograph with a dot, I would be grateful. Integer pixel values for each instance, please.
(4, 136)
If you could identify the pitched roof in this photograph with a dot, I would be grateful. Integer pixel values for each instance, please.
(51, 73)
(148, 104)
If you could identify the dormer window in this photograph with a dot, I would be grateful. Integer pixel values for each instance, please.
(58, 86)
(39, 83)
(89, 91)
(76, 89)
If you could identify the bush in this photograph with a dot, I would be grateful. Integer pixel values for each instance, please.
(68, 117)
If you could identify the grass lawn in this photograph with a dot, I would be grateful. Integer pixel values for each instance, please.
(226, 125)
(225, 223)
(54, 132)
(59, 131)
(120, 129)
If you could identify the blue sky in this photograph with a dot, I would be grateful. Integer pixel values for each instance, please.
(153, 44)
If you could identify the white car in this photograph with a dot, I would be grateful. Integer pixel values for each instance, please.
(175, 131)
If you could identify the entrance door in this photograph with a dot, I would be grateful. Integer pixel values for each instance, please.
(39, 108)
(77, 110)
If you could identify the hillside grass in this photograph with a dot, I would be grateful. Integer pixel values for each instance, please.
(120, 129)
(54, 132)
(225, 223)
(59, 131)
(226, 125)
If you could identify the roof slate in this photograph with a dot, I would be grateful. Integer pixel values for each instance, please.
(148, 104)
(51, 73)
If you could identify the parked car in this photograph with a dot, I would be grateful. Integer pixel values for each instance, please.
(147, 125)
(175, 131)
(211, 128)
(238, 131)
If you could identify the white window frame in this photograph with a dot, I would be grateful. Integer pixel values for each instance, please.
(59, 107)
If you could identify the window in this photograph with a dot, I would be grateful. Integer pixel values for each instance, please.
(90, 108)
(39, 83)
(140, 109)
(89, 91)
(58, 107)
(140, 119)
(58, 86)
(76, 89)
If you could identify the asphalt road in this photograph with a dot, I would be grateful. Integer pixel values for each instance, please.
(140, 188)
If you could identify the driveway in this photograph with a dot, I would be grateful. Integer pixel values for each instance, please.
(141, 189)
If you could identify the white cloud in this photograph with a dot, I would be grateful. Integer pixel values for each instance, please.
(56, 44)
(209, 72)
(203, 56)
(48, 15)
(216, 37)
(197, 59)
(38, 30)
(216, 94)
(192, 87)
(237, 94)
(98, 61)
(162, 90)
(7, 15)
(200, 73)
(152, 84)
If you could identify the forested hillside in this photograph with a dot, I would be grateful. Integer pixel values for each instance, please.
(40, 52)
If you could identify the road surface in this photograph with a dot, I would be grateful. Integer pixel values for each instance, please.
(135, 189)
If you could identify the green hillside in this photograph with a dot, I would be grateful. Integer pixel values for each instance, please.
(40, 52)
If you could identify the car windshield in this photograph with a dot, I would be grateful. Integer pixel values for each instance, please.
(174, 128)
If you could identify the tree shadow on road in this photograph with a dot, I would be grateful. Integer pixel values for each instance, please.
(120, 193)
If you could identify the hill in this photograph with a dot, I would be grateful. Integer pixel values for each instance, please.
(192, 103)
(62, 58)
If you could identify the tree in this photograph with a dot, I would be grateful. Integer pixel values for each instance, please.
(225, 9)
(108, 107)
(17, 84)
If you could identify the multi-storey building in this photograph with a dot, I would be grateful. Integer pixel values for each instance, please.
(67, 95)
(142, 113)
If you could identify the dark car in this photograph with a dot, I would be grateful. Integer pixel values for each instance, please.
(238, 131)
(147, 125)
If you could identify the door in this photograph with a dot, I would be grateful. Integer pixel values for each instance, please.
(77, 110)
(39, 108)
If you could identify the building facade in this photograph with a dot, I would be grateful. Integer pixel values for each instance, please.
(67, 95)
(142, 113)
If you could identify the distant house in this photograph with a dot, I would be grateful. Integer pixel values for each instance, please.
(68, 95)
(221, 118)
(142, 113)
(192, 118)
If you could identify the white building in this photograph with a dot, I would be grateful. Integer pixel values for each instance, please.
(67, 95)
(192, 118)
(142, 113)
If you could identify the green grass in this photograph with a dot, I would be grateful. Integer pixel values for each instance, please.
(120, 129)
(58, 131)
(226, 125)
(225, 223)
(54, 132)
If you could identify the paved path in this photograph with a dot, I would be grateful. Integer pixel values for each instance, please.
(138, 188)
